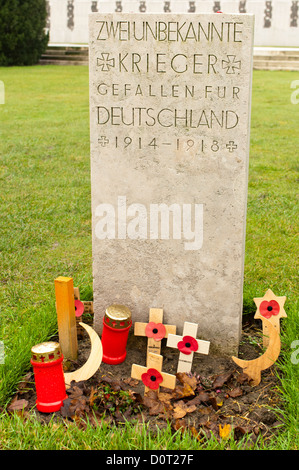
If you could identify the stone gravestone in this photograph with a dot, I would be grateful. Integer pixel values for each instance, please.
(170, 120)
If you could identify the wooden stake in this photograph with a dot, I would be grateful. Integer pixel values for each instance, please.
(182, 342)
(88, 304)
(153, 369)
(66, 319)
(155, 317)
(76, 293)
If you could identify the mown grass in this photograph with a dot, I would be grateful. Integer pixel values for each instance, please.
(19, 434)
(46, 230)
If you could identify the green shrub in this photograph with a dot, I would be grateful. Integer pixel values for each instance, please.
(22, 31)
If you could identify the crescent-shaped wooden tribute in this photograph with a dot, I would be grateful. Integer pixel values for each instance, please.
(254, 367)
(92, 364)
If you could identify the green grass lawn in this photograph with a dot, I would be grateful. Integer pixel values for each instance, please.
(46, 229)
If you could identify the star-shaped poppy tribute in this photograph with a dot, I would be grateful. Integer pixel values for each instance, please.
(270, 307)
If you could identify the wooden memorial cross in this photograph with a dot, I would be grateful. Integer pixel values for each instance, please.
(270, 307)
(88, 304)
(79, 310)
(81, 306)
(187, 345)
(154, 330)
(151, 375)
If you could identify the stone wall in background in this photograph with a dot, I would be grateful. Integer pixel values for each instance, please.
(276, 21)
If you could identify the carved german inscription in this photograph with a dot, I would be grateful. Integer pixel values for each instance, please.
(170, 31)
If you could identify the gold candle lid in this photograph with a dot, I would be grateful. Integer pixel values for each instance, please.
(117, 316)
(46, 352)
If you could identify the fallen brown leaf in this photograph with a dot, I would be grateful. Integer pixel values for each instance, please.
(239, 432)
(195, 401)
(183, 391)
(122, 417)
(137, 397)
(204, 419)
(74, 407)
(215, 402)
(181, 409)
(165, 397)
(116, 385)
(242, 378)
(195, 433)
(75, 392)
(151, 400)
(236, 392)
(151, 395)
(203, 397)
(180, 424)
(25, 383)
(186, 379)
(131, 382)
(18, 405)
(221, 379)
(92, 396)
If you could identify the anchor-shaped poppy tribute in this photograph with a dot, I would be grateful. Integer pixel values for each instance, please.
(254, 367)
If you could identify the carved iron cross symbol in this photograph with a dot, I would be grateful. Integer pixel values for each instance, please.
(103, 141)
(231, 146)
(231, 64)
(105, 62)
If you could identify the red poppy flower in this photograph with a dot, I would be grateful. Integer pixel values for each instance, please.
(155, 330)
(268, 309)
(79, 308)
(152, 379)
(188, 345)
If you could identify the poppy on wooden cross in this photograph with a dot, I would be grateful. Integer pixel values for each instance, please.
(79, 310)
(87, 304)
(151, 375)
(187, 344)
(269, 307)
(155, 330)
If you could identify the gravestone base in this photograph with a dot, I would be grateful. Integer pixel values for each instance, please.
(184, 292)
(227, 348)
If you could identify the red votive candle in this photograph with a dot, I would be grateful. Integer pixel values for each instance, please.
(46, 359)
(116, 325)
